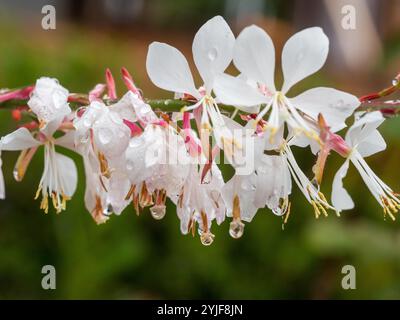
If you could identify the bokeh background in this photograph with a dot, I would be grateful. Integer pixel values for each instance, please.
(134, 257)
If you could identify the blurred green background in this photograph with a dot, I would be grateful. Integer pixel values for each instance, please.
(133, 257)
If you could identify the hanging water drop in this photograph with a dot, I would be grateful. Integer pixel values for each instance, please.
(158, 211)
(236, 229)
(206, 238)
(108, 210)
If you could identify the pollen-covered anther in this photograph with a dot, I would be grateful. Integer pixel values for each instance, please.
(145, 197)
(104, 169)
(390, 206)
(319, 203)
(98, 212)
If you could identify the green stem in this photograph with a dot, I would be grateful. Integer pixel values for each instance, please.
(175, 105)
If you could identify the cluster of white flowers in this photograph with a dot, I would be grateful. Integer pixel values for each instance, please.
(133, 153)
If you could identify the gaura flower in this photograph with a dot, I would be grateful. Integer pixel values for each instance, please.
(49, 102)
(157, 164)
(364, 140)
(273, 183)
(212, 53)
(303, 54)
(59, 178)
(102, 137)
(201, 202)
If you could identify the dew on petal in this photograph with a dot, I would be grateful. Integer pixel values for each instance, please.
(105, 135)
(212, 54)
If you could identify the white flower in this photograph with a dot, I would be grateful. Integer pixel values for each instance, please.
(303, 54)
(238, 194)
(273, 183)
(212, 53)
(157, 163)
(364, 140)
(201, 202)
(102, 137)
(59, 178)
(49, 101)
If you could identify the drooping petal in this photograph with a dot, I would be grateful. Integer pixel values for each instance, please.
(49, 128)
(333, 104)
(67, 141)
(213, 49)
(374, 144)
(243, 188)
(254, 56)
(68, 174)
(168, 69)
(303, 54)
(20, 139)
(363, 127)
(234, 91)
(341, 199)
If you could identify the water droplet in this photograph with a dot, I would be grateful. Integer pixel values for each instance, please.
(395, 82)
(115, 118)
(129, 165)
(158, 211)
(247, 185)
(135, 142)
(85, 137)
(212, 54)
(144, 109)
(277, 211)
(236, 229)
(299, 56)
(340, 104)
(262, 169)
(105, 135)
(206, 238)
(108, 210)
(87, 121)
(16, 175)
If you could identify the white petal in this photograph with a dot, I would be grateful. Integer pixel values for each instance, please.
(168, 69)
(213, 49)
(303, 54)
(68, 174)
(341, 199)
(49, 128)
(20, 139)
(374, 144)
(254, 56)
(333, 104)
(363, 127)
(234, 91)
(67, 140)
